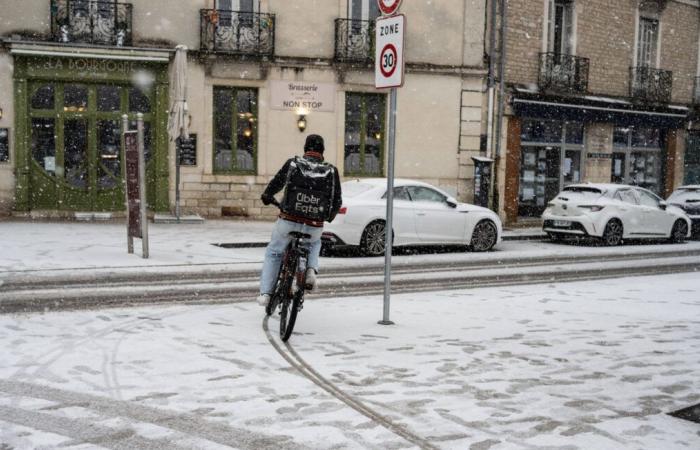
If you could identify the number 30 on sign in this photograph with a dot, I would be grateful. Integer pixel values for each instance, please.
(388, 57)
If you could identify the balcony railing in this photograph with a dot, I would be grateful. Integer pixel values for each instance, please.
(696, 91)
(91, 21)
(651, 84)
(236, 32)
(563, 73)
(354, 40)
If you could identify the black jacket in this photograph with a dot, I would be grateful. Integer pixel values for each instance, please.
(279, 181)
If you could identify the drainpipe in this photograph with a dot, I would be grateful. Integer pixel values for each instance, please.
(492, 77)
(501, 101)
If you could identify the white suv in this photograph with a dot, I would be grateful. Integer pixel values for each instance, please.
(613, 212)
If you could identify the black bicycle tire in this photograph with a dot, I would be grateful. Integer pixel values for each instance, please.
(276, 292)
(286, 286)
(292, 316)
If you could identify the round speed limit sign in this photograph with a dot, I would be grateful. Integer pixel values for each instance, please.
(388, 7)
(388, 60)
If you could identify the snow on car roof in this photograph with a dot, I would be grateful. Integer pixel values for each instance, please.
(382, 182)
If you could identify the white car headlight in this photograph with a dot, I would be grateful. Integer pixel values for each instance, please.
(592, 208)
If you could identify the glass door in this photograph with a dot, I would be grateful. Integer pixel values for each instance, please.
(539, 179)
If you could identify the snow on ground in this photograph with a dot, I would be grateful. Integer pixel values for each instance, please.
(586, 365)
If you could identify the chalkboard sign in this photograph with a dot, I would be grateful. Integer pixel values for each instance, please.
(4, 145)
(187, 148)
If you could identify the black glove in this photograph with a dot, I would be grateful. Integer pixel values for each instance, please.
(267, 199)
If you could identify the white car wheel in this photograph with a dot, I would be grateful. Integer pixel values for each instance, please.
(373, 239)
(679, 231)
(612, 235)
(484, 236)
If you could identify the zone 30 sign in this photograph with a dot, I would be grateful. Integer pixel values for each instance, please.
(388, 57)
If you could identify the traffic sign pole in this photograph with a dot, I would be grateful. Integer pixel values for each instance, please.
(388, 238)
(388, 73)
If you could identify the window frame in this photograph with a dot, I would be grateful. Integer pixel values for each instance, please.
(641, 17)
(233, 169)
(569, 29)
(363, 134)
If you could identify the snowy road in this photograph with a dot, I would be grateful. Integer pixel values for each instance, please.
(584, 365)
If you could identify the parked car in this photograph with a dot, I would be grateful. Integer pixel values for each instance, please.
(423, 215)
(687, 198)
(613, 212)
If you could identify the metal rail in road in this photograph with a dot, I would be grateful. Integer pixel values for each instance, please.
(242, 286)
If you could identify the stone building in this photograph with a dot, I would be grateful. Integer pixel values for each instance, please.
(597, 91)
(262, 74)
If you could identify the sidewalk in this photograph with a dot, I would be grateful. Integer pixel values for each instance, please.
(40, 245)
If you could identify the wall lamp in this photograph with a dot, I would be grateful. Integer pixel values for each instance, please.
(301, 122)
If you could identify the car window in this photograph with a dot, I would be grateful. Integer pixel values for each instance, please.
(400, 193)
(627, 196)
(424, 194)
(647, 199)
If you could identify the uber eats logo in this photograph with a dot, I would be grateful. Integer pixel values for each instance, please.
(308, 203)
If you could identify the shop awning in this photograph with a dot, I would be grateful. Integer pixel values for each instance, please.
(589, 108)
(27, 48)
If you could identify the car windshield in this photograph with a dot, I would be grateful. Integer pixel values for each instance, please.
(355, 188)
(685, 195)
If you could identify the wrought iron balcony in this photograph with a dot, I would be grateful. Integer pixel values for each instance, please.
(354, 40)
(98, 22)
(563, 73)
(650, 84)
(236, 32)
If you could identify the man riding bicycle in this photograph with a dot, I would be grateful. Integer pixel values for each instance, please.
(311, 196)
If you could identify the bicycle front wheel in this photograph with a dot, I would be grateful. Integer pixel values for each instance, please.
(288, 315)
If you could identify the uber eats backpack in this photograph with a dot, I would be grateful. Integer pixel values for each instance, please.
(309, 190)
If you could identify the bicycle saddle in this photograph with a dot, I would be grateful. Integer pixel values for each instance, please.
(298, 235)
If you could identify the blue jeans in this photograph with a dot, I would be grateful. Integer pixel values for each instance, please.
(278, 243)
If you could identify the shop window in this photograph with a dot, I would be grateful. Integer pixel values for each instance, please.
(235, 130)
(551, 157)
(108, 153)
(692, 158)
(43, 144)
(638, 157)
(75, 160)
(138, 101)
(364, 134)
(75, 98)
(43, 97)
(108, 98)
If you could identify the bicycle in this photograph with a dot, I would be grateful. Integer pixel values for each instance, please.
(290, 286)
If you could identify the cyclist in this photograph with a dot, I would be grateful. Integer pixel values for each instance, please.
(311, 196)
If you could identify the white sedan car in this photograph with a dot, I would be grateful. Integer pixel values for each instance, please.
(423, 215)
(613, 212)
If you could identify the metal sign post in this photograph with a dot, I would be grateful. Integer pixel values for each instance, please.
(388, 73)
(135, 180)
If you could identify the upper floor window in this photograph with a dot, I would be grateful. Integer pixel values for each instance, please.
(647, 44)
(363, 9)
(560, 27)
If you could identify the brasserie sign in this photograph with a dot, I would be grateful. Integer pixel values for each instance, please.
(302, 96)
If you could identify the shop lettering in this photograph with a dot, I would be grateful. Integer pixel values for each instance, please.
(303, 87)
(89, 65)
(301, 104)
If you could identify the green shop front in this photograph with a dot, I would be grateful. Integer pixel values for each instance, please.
(68, 122)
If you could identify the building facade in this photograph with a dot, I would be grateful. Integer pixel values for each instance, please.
(262, 75)
(597, 91)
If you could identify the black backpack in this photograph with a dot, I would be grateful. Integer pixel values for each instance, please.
(309, 190)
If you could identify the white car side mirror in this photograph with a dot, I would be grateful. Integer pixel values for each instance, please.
(452, 203)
